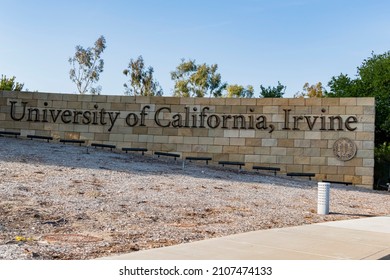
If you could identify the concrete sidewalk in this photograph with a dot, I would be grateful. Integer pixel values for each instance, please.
(360, 239)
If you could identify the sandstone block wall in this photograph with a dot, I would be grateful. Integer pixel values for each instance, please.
(297, 135)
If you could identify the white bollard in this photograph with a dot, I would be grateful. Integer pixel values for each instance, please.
(323, 198)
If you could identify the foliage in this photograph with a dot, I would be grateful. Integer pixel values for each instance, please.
(382, 164)
(198, 80)
(141, 80)
(372, 80)
(342, 86)
(239, 91)
(86, 66)
(272, 92)
(316, 90)
(10, 84)
(382, 152)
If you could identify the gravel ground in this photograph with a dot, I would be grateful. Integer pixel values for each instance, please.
(69, 202)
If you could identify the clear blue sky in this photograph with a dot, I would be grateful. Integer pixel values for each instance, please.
(252, 41)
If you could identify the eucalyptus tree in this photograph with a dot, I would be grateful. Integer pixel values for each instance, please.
(197, 80)
(239, 91)
(86, 66)
(141, 80)
(315, 90)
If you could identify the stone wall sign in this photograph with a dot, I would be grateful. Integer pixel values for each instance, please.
(302, 135)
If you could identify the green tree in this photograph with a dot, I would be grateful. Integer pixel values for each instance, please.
(342, 86)
(141, 81)
(86, 66)
(239, 91)
(372, 80)
(274, 92)
(198, 80)
(10, 84)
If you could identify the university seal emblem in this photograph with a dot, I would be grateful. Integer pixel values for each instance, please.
(344, 149)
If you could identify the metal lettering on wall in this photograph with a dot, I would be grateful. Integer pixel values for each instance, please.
(190, 118)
